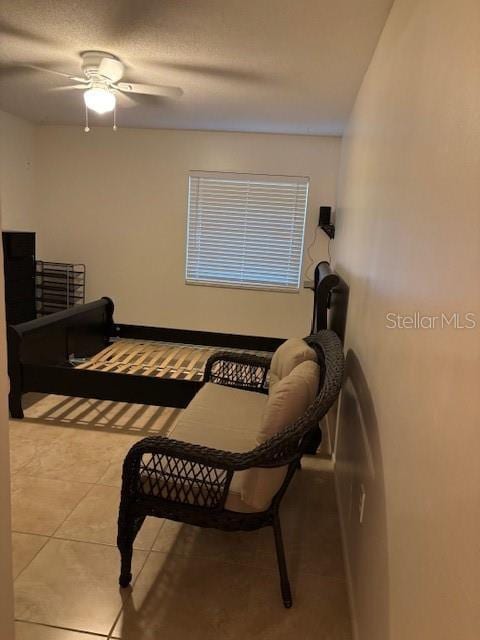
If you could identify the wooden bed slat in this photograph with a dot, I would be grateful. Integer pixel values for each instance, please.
(154, 359)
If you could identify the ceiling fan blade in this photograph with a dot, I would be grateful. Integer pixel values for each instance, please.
(57, 73)
(127, 100)
(69, 87)
(149, 89)
(110, 68)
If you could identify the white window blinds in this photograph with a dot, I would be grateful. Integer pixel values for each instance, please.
(245, 230)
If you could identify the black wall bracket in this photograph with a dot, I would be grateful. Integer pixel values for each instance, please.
(329, 229)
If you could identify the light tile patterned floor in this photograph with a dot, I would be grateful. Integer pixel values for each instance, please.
(189, 583)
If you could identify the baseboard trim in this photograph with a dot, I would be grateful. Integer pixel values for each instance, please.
(346, 557)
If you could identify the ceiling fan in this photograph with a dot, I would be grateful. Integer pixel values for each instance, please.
(101, 82)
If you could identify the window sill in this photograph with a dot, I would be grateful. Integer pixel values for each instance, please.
(249, 287)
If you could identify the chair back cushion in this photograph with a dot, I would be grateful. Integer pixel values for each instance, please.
(291, 353)
(289, 399)
(287, 402)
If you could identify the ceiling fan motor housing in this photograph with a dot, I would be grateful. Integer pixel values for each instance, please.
(93, 67)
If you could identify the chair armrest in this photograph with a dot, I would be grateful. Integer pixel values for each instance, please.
(158, 467)
(188, 451)
(264, 455)
(179, 472)
(239, 370)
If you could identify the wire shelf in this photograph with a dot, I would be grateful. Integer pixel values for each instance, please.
(59, 286)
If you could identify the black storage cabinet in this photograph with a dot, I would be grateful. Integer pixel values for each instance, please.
(19, 268)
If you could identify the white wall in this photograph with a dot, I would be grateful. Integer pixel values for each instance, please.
(117, 201)
(17, 139)
(408, 240)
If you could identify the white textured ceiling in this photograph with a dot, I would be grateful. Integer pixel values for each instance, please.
(286, 66)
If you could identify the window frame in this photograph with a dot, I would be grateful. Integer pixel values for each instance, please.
(245, 177)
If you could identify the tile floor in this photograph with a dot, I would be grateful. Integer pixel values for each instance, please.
(189, 584)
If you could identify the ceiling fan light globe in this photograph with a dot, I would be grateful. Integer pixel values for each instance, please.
(99, 100)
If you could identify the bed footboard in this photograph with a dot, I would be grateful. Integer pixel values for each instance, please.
(81, 331)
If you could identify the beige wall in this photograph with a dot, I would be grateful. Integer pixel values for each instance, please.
(6, 579)
(409, 240)
(117, 201)
(17, 173)
(16, 197)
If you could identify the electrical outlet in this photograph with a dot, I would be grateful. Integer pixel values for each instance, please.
(361, 503)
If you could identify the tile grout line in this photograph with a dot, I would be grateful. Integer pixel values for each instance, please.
(147, 557)
(95, 635)
(128, 596)
(149, 553)
(35, 555)
(117, 617)
(76, 505)
(332, 579)
(34, 455)
(52, 626)
(101, 544)
(41, 477)
(52, 535)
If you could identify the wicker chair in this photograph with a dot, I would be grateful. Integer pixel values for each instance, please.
(189, 483)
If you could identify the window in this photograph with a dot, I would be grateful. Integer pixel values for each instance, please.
(245, 230)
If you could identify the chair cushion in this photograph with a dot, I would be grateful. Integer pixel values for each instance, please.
(289, 399)
(291, 353)
(287, 402)
(237, 420)
(253, 489)
(222, 417)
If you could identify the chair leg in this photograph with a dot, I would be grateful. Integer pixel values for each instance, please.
(282, 565)
(313, 441)
(127, 530)
(126, 564)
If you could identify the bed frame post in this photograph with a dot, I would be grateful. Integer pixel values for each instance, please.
(15, 405)
(14, 373)
(109, 324)
(325, 281)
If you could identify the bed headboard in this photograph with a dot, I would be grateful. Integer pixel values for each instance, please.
(82, 330)
(338, 308)
(330, 302)
(325, 281)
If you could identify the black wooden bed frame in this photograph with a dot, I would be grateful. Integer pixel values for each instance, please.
(39, 353)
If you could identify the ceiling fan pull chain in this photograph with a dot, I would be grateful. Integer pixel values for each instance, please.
(87, 128)
(115, 117)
